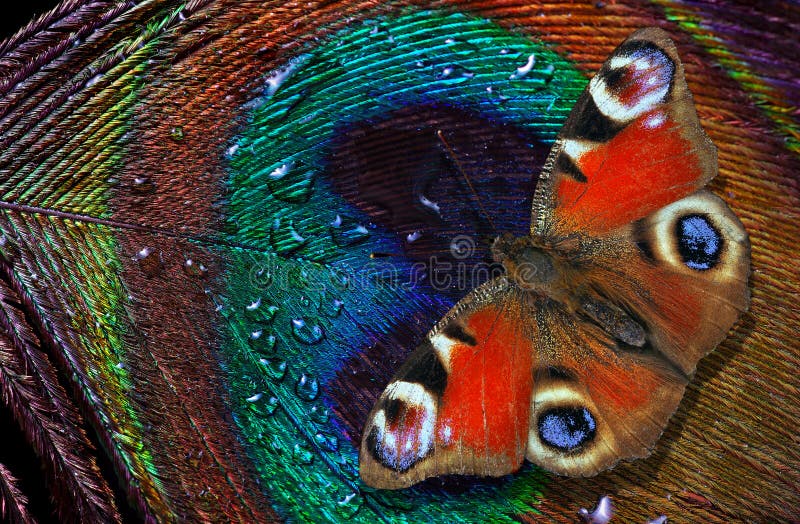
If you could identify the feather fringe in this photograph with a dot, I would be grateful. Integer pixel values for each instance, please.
(13, 504)
(29, 387)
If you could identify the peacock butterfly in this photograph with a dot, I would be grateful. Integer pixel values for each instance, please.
(577, 356)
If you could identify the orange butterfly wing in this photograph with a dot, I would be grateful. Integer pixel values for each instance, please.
(684, 299)
(632, 144)
(621, 202)
(460, 403)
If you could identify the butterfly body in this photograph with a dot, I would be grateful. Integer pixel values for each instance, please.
(530, 266)
(576, 357)
(548, 273)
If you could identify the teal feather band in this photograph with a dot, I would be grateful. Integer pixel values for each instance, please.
(291, 327)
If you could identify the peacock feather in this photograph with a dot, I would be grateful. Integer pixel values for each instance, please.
(224, 225)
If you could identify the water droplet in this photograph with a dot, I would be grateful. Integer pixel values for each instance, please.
(262, 341)
(260, 312)
(298, 277)
(278, 77)
(524, 69)
(455, 74)
(176, 133)
(319, 414)
(304, 301)
(292, 182)
(150, 261)
(413, 237)
(231, 151)
(9, 249)
(255, 398)
(602, 512)
(194, 268)
(302, 455)
(273, 444)
(307, 387)
(331, 307)
(261, 276)
(326, 441)
(285, 238)
(275, 367)
(423, 62)
(348, 469)
(495, 95)
(113, 264)
(327, 487)
(263, 404)
(347, 232)
(281, 171)
(95, 79)
(349, 505)
(307, 333)
(429, 204)
(142, 185)
(339, 278)
(461, 47)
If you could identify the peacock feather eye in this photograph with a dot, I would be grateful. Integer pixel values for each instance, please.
(338, 160)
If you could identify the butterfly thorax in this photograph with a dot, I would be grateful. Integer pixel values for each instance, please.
(543, 271)
(530, 266)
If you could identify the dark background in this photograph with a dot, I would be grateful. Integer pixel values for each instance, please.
(21, 13)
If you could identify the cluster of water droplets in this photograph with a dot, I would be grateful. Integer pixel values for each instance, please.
(277, 334)
(152, 263)
(143, 185)
(455, 63)
(292, 112)
(293, 182)
(281, 198)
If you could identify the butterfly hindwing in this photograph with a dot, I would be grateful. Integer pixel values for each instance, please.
(683, 270)
(631, 145)
(596, 405)
(460, 403)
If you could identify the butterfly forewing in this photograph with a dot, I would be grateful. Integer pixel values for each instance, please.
(460, 403)
(631, 145)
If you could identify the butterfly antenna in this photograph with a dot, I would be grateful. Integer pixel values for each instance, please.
(460, 168)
